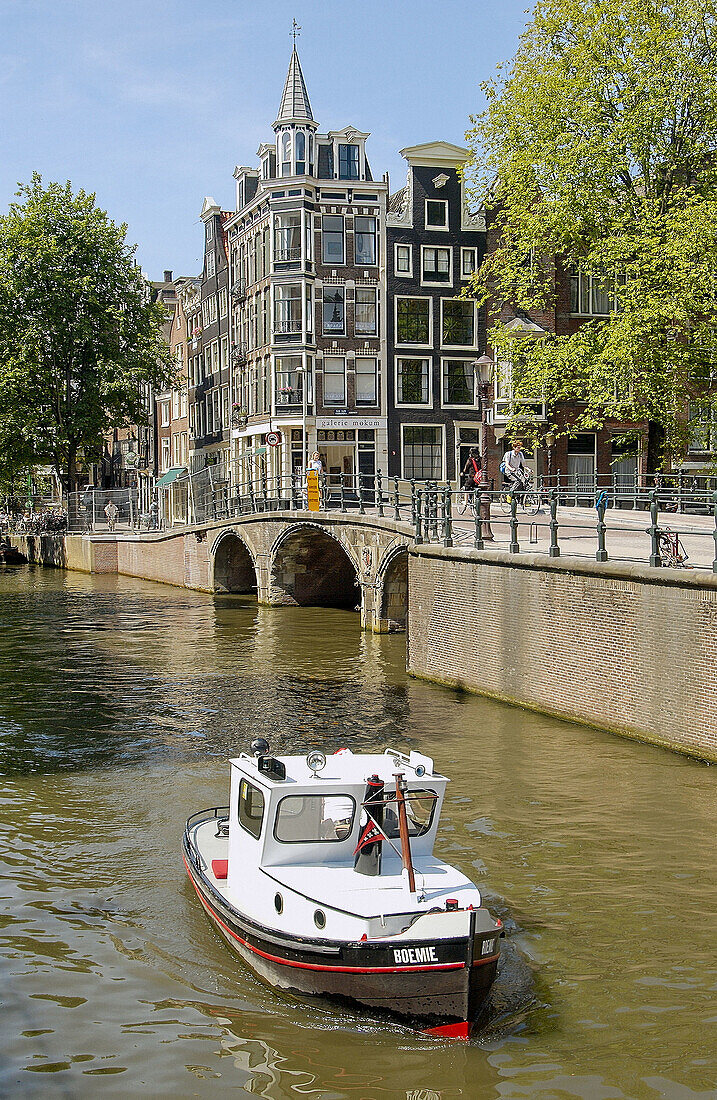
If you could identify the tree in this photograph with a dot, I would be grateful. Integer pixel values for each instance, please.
(80, 340)
(597, 151)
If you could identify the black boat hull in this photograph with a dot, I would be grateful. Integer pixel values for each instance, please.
(441, 988)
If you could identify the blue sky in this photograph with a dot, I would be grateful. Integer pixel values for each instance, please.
(151, 103)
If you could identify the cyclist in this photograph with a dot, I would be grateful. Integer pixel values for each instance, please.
(514, 468)
(471, 473)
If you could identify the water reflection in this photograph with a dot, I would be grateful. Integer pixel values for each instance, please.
(119, 705)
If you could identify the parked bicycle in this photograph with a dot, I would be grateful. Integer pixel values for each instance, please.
(672, 551)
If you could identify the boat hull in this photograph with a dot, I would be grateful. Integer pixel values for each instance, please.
(440, 986)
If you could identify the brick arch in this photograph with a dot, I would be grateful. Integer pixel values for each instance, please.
(393, 572)
(233, 565)
(312, 568)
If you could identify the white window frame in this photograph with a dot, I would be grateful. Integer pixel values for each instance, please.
(334, 333)
(166, 453)
(429, 225)
(442, 430)
(366, 263)
(403, 274)
(430, 282)
(460, 347)
(211, 264)
(452, 405)
(333, 263)
(333, 403)
(415, 297)
(413, 404)
(367, 359)
(165, 418)
(357, 332)
(466, 278)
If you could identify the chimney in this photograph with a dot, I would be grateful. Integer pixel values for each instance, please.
(168, 276)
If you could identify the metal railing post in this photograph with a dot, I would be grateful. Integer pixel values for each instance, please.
(447, 517)
(600, 505)
(554, 551)
(343, 492)
(514, 544)
(413, 500)
(654, 531)
(417, 513)
(714, 533)
(379, 490)
(396, 499)
(359, 489)
(478, 536)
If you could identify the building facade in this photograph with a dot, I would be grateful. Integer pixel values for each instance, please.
(435, 332)
(308, 301)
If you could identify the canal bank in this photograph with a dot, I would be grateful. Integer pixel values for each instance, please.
(619, 646)
(120, 703)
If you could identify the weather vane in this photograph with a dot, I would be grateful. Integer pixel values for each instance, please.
(296, 31)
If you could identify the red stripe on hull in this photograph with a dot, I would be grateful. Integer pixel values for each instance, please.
(315, 966)
(451, 1031)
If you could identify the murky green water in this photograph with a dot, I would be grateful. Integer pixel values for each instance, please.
(119, 704)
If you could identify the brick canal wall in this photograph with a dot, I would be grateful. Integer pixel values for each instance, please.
(615, 646)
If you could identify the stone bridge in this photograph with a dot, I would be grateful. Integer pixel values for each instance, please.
(318, 559)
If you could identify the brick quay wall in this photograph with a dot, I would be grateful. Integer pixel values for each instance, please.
(620, 647)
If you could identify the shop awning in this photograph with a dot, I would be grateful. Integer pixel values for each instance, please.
(170, 476)
(254, 453)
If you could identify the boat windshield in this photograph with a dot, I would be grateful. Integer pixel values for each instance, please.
(306, 818)
(419, 813)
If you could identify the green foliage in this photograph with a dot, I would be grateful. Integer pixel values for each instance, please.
(597, 151)
(80, 340)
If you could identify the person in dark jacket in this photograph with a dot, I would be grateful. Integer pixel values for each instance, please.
(471, 472)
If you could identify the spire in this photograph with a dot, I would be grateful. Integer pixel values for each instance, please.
(295, 106)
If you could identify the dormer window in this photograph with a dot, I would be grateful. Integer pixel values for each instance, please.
(265, 168)
(348, 162)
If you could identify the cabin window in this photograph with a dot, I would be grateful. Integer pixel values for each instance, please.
(251, 808)
(419, 811)
(306, 818)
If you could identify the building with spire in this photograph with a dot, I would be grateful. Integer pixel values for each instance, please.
(307, 294)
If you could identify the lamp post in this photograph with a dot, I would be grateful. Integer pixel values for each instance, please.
(483, 369)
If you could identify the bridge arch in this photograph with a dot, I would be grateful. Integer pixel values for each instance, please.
(393, 606)
(234, 569)
(311, 568)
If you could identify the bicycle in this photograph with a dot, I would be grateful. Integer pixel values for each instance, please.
(465, 498)
(671, 550)
(526, 498)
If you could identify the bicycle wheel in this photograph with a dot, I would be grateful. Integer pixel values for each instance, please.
(531, 503)
(462, 503)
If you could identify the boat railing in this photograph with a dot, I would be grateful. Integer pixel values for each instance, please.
(218, 813)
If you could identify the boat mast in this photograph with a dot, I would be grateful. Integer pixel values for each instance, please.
(401, 788)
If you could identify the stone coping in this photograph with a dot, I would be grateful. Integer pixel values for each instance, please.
(322, 518)
(675, 578)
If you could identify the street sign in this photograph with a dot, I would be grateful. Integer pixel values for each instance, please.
(313, 497)
(273, 438)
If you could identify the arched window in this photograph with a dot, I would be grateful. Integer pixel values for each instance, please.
(300, 152)
(286, 153)
(311, 154)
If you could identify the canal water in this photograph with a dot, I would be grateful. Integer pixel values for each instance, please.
(120, 702)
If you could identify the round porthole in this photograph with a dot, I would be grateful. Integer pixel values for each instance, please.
(278, 903)
(320, 918)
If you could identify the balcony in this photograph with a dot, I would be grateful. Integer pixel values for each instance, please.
(287, 255)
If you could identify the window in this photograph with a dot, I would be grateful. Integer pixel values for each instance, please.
(251, 808)
(403, 259)
(210, 230)
(175, 404)
(165, 455)
(422, 452)
(348, 162)
(413, 382)
(307, 818)
(413, 320)
(365, 240)
(702, 427)
(300, 152)
(285, 144)
(365, 322)
(287, 236)
(366, 390)
(289, 380)
(287, 308)
(457, 322)
(469, 262)
(436, 265)
(211, 264)
(165, 413)
(332, 239)
(223, 302)
(334, 380)
(419, 812)
(592, 295)
(458, 382)
(436, 214)
(334, 315)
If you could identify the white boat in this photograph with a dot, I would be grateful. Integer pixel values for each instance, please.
(321, 875)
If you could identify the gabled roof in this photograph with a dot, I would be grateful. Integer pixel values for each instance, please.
(436, 154)
(295, 106)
